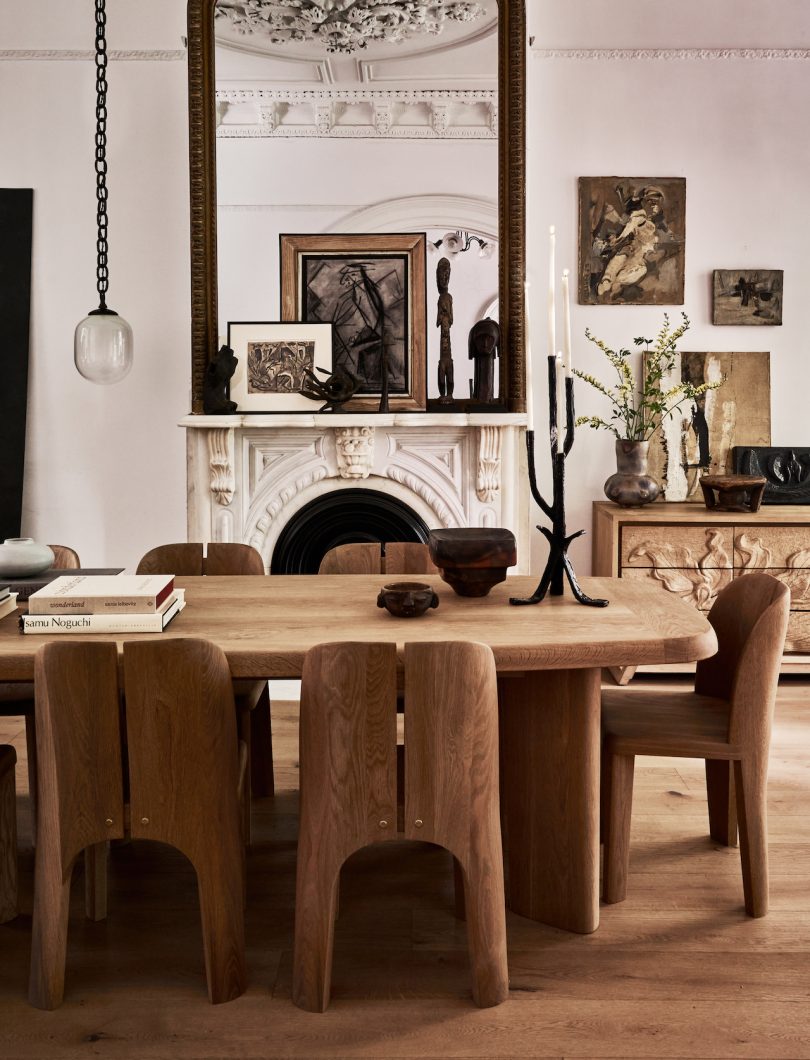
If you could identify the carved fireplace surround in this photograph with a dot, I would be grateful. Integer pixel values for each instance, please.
(248, 476)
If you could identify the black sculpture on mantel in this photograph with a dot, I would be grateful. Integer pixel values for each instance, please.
(786, 469)
(215, 385)
(559, 565)
(484, 347)
(444, 320)
(334, 391)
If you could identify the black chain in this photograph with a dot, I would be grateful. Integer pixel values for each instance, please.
(102, 275)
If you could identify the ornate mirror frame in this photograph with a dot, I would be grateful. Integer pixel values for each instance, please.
(511, 194)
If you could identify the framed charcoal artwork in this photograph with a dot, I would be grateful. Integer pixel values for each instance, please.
(747, 296)
(273, 359)
(632, 234)
(371, 290)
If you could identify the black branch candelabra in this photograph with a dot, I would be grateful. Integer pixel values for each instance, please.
(559, 565)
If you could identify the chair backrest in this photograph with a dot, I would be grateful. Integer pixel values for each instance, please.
(232, 557)
(181, 741)
(80, 785)
(750, 618)
(357, 558)
(348, 742)
(401, 557)
(65, 557)
(451, 746)
(186, 559)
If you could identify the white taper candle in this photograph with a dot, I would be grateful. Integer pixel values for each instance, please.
(560, 403)
(527, 360)
(567, 361)
(552, 330)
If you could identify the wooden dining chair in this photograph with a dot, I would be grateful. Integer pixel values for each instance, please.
(8, 834)
(184, 787)
(349, 790)
(726, 721)
(186, 559)
(17, 697)
(370, 557)
(65, 557)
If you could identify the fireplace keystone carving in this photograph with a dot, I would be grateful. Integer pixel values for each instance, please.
(355, 451)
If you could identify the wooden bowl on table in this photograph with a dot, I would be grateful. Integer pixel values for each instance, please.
(473, 559)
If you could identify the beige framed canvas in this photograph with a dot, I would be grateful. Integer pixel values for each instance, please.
(371, 290)
(273, 359)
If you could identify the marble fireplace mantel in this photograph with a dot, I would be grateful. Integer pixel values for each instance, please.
(248, 475)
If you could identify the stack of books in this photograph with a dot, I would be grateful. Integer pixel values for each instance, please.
(136, 603)
(8, 600)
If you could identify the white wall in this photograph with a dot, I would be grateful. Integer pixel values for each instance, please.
(736, 128)
(105, 467)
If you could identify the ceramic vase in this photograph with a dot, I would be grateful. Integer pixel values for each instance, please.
(22, 557)
(631, 486)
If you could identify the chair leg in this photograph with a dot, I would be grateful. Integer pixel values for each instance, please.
(95, 882)
(245, 727)
(316, 896)
(750, 779)
(485, 906)
(722, 802)
(31, 753)
(46, 984)
(618, 781)
(8, 836)
(261, 748)
(220, 882)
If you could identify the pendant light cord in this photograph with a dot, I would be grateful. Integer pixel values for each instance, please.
(102, 274)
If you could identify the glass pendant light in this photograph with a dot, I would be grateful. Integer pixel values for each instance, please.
(102, 345)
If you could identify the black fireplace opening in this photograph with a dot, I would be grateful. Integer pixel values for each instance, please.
(342, 518)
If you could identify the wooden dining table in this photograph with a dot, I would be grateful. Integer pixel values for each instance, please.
(549, 660)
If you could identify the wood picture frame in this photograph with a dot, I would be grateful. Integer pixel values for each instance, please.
(271, 359)
(367, 287)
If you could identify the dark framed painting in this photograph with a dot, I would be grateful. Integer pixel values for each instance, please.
(272, 361)
(371, 290)
(632, 237)
(747, 296)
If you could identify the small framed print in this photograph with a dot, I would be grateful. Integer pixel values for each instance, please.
(372, 289)
(272, 361)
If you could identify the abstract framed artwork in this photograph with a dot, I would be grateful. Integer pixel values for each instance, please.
(747, 296)
(632, 236)
(272, 359)
(371, 290)
(701, 434)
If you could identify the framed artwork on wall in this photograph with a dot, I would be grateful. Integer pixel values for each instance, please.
(632, 235)
(701, 434)
(371, 290)
(747, 296)
(273, 358)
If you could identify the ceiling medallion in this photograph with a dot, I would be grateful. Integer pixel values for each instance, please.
(344, 25)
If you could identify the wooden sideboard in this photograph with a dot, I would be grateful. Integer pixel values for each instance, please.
(694, 552)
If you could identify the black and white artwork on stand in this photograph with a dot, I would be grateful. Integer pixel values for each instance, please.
(273, 359)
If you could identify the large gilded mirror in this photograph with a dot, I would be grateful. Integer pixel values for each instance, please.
(265, 91)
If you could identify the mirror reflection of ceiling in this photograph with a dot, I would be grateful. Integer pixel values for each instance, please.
(340, 25)
(282, 71)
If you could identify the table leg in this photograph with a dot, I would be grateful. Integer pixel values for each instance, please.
(549, 738)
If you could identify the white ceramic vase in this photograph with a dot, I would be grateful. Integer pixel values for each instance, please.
(22, 557)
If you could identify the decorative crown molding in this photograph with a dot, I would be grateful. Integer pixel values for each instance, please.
(365, 112)
(671, 54)
(81, 55)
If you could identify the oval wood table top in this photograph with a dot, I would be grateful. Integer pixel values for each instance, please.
(266, 625)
